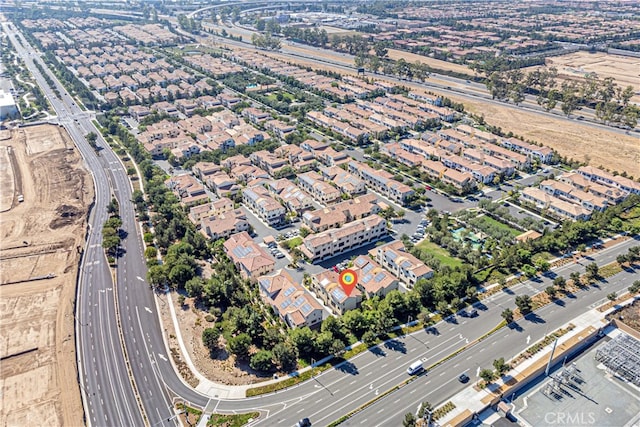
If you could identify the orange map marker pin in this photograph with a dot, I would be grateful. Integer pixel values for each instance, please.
(348, 279)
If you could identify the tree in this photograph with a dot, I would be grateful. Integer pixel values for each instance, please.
(424, 407)
(524, 304)
(551, 291)
(210, 337)
(180, 274)
(635, 287)
(486, 375)
(91, 138)
(262, 361)
(304, 340)
(612, 296)
(304, 232)
(575, 278)
(560, 282)
(529, 270)
(381, 51)
(157, 275)
(501, 366)
(194, 287)
(622, 258)
(409, 420)
(592, 270)
(369, 338)
(507, 315)
(239, 345)
(285, 356)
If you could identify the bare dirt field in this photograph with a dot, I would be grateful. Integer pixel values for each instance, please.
(611, 150)
(625, 70)
(39, 242)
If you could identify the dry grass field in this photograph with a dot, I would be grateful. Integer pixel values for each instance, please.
(433, 63)
(39, 257)
(624, 69)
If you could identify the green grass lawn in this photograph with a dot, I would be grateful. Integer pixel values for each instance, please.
(496, 223)
(441, 254)
(295, 242)
(285, 96)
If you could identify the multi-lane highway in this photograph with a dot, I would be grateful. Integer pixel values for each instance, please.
(104, 307)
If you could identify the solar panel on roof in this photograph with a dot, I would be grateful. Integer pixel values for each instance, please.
(338, 294)
(301, 300)
(360, 262)
(285, 304)
(367, 268)
(380, 277)
(391, 255)
(366, 278)
(306, 309)
(406, 264)
(289, 291)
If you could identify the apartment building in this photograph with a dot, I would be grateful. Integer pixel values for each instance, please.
(326, 286)
(382, 181)
(250, 259)
(373, 280)
(222, 184)
(332, 242)
(322, 191)
(341, 213)
(224, 225)
(268, 161)
(395, 257)
(294, 305)
(257, 199)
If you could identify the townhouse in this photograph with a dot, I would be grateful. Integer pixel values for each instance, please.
(543, 154)
(280, 128)
(565, 191)
(294, 199)
(187, 189)
(268, 161)
(332, 242)
(322, 191)
(346, 182)
(382, 181)
(257, 199)
(248, 257)
(597, 175)
(554, 205)
(255, 115)
(222, 184)
(373, 280)
(215, 208)
(462, 181)
(224, 225)
(406, 267)
(341, 213)
(205, 169)
(294, 305)
(483, 174)
(326, 286)
(613, 194)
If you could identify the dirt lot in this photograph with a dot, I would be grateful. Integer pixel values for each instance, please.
(623, 69)
(40, 238)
